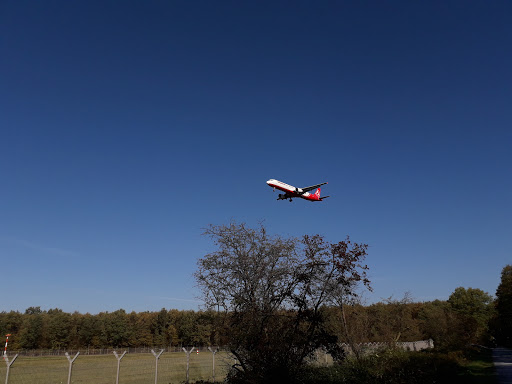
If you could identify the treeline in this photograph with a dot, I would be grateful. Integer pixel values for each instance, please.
(55, 329)
(461, 320)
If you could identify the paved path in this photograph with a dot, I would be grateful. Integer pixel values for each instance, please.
(502, 358)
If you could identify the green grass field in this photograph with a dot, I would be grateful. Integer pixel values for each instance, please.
(135, 369)
(480, 367)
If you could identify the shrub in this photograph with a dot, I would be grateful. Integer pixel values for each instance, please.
(392, 366)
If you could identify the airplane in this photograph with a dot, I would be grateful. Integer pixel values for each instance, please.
(292, 192)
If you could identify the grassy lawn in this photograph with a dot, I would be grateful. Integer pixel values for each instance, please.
(134, 369)
(480, 368)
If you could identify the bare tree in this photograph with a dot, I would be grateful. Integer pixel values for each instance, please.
(272, 291)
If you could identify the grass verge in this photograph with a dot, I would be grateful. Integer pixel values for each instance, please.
(479, 367)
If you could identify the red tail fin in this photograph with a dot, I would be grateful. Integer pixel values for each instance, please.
(317, 193)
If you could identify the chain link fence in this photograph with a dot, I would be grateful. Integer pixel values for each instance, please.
(135, 367)
(140, 365)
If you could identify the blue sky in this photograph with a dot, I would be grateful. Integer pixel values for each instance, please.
(128, 127)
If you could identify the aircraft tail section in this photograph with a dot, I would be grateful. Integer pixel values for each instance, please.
(317, 195)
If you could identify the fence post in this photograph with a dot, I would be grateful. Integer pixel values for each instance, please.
(71, 361)
(118, 364)
(157, 356)
(188, 359)
(9, 363)
(213, 361)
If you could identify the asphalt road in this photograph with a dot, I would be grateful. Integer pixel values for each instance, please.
(502, 358)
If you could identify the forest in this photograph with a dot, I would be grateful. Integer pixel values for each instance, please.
(465, 318)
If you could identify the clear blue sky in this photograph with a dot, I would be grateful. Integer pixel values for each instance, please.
(128, 127)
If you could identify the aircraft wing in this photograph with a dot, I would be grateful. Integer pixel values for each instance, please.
(307, 189)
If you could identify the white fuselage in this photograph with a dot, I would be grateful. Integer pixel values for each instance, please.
(290, 190)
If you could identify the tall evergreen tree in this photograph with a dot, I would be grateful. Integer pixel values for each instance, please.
(503, 321)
